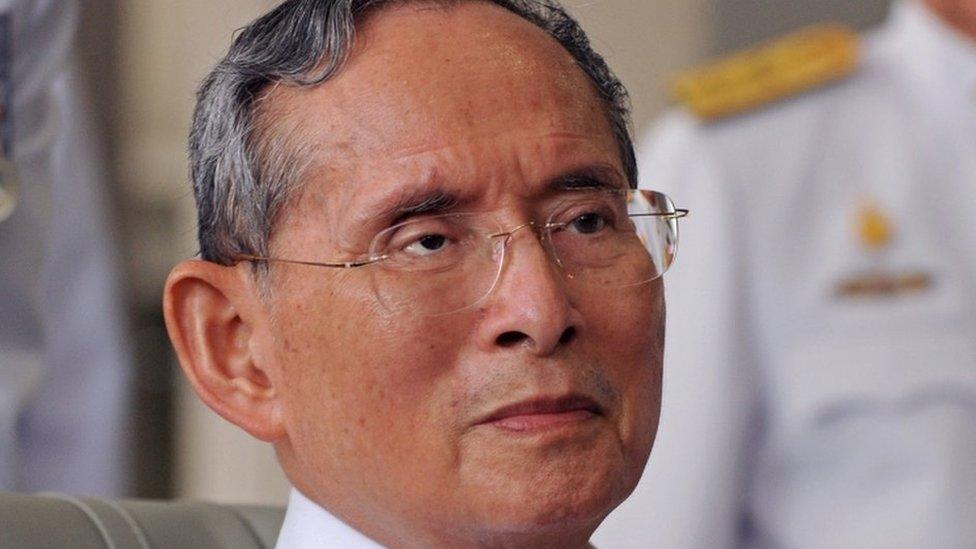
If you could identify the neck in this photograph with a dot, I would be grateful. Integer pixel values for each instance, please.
(537, 540)
(576, 537)
(404, 533)
(959, 14)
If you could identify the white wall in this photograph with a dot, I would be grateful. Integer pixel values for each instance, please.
(644, 41)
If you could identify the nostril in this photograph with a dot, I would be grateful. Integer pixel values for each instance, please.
(509, 339)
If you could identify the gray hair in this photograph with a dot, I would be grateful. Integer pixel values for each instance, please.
(243, 176)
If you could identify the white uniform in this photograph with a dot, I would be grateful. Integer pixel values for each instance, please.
(796, 415)
(63, 362)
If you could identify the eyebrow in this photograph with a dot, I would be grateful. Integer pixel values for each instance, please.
(417, 202)
(438, 200)
(597, 178)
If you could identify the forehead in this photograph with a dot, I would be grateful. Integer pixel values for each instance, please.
(426, 78)
(418, 72)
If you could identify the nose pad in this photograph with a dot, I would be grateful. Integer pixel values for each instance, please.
(542, 237)
(530, 306)
(507, 247)
(545, 238)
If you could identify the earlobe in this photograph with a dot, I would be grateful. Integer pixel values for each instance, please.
(212, 316)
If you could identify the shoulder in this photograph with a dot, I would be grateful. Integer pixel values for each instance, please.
(799, 68)
(806, 94)
(781, 68)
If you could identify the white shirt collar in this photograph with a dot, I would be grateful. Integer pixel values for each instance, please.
(308, 526)
(941, 56)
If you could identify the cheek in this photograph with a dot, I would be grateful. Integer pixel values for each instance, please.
(630, 332)
(357, 377)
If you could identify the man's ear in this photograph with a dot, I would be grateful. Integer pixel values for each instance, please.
(213, 316)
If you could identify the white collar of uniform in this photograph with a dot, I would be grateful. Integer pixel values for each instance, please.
(936, 52)
(308, 526)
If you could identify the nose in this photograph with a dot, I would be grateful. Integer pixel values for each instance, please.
(529, 306)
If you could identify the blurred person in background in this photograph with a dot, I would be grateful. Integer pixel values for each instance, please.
(64, 367)
(821, 383)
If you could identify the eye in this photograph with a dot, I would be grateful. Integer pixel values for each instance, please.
(588, 223)
(427, 245)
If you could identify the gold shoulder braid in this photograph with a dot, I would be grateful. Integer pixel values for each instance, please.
(787, 66)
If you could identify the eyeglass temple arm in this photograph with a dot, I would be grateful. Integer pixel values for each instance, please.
(335, 265)
(676, 214)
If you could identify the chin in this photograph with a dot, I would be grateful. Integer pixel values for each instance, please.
(568, 491)
(583, 506)
(555, 512)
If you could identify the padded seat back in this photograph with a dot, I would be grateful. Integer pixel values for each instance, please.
(58, 521)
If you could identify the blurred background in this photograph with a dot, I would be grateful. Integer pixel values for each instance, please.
(143, 60)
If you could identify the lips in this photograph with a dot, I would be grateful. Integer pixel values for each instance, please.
(544, 413)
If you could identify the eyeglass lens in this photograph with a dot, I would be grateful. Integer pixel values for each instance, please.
(599, 240)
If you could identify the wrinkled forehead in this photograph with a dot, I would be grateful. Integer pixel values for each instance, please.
(423, 76)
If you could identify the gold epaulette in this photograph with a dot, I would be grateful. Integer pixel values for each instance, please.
(787, 66)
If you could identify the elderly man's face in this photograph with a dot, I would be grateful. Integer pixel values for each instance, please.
(400, 421)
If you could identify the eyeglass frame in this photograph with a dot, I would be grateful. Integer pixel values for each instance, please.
(678, 213)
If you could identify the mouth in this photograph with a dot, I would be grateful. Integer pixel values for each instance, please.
(542, 414)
